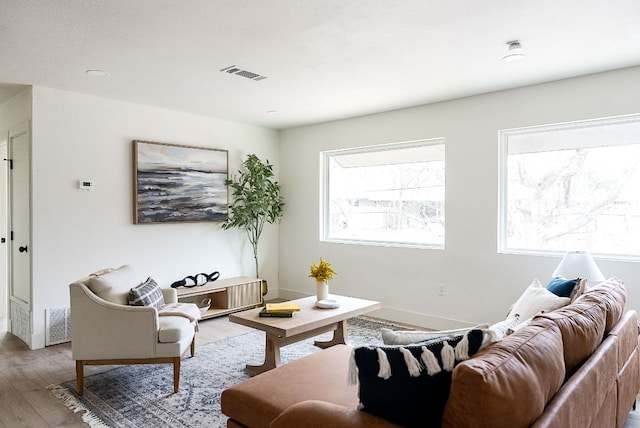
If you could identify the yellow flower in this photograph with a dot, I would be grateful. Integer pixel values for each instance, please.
(322, 271)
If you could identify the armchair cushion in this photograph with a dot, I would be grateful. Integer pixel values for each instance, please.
(172, 329)
(146, 294)
(114, 286)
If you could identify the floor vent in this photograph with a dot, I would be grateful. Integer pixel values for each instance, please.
(232, 69)
(58, 326)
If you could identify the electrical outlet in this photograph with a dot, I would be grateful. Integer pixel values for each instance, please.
(441, 289)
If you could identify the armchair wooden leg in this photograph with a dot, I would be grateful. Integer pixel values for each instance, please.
(80, 376)
(176, 374)
(193, 346)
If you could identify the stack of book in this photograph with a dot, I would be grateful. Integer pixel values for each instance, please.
(282, 310)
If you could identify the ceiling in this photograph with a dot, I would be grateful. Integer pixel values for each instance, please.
(323, 59)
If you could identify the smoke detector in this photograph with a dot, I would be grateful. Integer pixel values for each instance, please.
(232, 69)
(514, 52)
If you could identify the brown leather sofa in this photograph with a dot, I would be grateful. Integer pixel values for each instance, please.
(578, 366)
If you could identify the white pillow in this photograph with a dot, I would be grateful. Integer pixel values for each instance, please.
(407, 337)
(505, 327)
(536, 299)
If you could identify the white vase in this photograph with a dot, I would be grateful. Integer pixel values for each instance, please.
(322, 290)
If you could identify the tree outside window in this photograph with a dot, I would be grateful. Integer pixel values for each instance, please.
(386, 195)
(572, 186)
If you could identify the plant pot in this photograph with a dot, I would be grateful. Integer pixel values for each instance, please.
(322, 290)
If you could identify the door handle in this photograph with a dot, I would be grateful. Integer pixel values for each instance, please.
(22, 249)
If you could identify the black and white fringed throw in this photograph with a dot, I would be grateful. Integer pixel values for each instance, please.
(410, 384)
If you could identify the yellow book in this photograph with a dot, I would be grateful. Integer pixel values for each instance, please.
(282, 307)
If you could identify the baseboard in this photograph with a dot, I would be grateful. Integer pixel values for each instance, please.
(398, 315)
(420, 319)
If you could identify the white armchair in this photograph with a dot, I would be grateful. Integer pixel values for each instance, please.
(105, 330)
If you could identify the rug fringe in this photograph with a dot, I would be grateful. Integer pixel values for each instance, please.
(76, 406)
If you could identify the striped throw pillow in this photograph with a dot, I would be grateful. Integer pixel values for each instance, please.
(146, 294)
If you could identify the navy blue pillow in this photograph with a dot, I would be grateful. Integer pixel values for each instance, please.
(411, 399)
(562, 287)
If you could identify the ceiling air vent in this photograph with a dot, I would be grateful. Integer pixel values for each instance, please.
(232, 69)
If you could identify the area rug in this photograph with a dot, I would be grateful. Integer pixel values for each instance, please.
(142, 395)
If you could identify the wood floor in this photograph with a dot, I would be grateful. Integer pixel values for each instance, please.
(25, 375)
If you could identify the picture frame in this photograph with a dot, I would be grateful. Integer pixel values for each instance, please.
(177, 183)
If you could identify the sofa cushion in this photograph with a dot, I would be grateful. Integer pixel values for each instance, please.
(612, 296)
(582, 327)
(508, 383)
(146, 294)
(409, 385)
(172, 329)
(114, 286)
(320, 414)
(534, 300)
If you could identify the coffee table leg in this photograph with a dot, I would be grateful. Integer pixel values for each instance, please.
(271, 356)
(339, 336)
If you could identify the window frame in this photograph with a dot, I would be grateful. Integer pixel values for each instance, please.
(503, 165)
(325, 194)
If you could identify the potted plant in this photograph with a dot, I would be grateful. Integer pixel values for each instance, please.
(256, 201)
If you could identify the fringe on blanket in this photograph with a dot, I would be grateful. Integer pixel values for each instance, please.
(76, 406)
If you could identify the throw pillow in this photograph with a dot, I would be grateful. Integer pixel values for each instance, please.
(505, 327)
(579, 289)
(536, 299)
(409, 385)
(407, 337)
(147, 294)
(564, 287)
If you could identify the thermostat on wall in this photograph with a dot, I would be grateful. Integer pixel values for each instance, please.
(85, 185)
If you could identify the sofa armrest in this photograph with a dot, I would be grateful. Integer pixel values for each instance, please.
(105, 330)
(321, 414)
(170, 295)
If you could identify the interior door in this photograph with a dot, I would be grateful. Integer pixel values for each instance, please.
(20, 213)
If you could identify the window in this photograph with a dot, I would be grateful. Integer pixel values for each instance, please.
(391, 194)
(573, 186)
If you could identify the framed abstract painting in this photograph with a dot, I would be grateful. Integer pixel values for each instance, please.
(175, 183)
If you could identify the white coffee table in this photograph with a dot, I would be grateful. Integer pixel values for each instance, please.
(309, 322)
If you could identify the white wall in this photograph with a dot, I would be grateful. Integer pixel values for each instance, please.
(480, 284)
(14, 111)
(76, 232)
